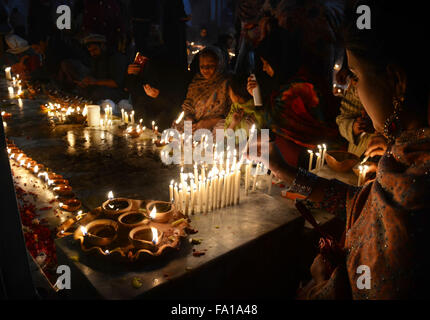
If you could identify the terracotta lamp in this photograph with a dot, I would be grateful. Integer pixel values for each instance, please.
(100, 232)
(116, 206)
(63, 190)
(70, 205)
(160, 211)
(132, 219)
(144, 237)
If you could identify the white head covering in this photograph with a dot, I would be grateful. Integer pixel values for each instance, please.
(124, 104)
(16, 44)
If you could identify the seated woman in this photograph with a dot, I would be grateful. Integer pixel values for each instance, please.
(383, 251)
(207, 101)
(243, 113)
(297, 111)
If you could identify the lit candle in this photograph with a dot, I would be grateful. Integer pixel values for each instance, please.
(132, 117)
(122, 115)
(7, 72)
(181, 198)
(311, 156)
(237, 188)
(125, 117)
(323, 155)
(176, 196)
(196, 175)
(200, 195)
(319, 158)
(317, 167)
(180, 117)
(11, 92)
(153, 125)
(247, 171)
(215, 192)
(171, 191)
(193, 195)
(220, 189)
(228, 188)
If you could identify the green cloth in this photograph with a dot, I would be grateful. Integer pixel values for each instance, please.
(250, 116)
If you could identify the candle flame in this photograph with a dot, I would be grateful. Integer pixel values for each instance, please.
(110, 195)
(153, 213)
(180, 117)
(310, 151)
(154, 235)
(36, 169)
(84, 230)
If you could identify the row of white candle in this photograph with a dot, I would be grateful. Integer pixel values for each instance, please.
(320, 160)
(218, 188)
(125, 116)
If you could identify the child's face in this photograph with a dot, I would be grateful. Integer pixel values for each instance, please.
(233, 97)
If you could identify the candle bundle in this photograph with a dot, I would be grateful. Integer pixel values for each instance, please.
(205, 190)
(320, 158)
(63, 113)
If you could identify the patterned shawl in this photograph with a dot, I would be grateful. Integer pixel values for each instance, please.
(387, 225)
(388, 229)
(207, 98)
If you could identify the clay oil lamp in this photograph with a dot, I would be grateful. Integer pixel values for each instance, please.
(134, 132)
(53, 175)
(63, 190)
(37, 168)
(70, 205)
(31, 165)
(145, 237)
(160, 211)
(116, 206)
(130, 220)
(57, 182)
(100, 232)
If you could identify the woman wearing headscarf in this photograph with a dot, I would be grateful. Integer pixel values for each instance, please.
(207, 102)
(383, 253)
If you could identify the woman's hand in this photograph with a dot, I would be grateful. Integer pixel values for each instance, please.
(151, 91)
(236, 118)
(251, 85)
(377, 146)
(134, 69)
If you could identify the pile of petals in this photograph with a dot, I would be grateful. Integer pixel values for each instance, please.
(39, 239)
